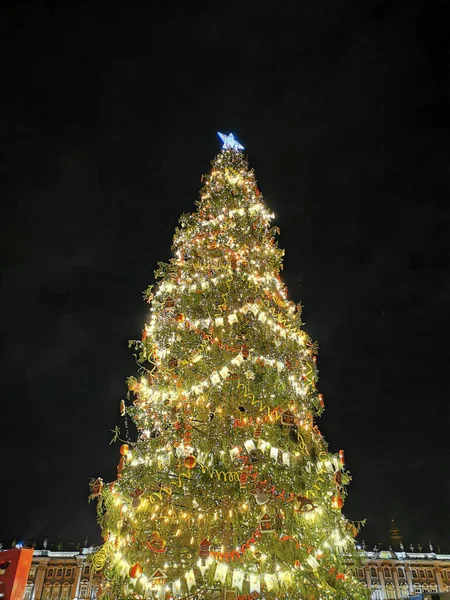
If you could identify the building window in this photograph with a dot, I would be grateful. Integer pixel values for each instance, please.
(422, 574)
(59, 573)
(404, 592)
(65, 592)
(32, 572)
(46, 592)
(376, 593)
(94, 592)
(387, 572)
(417, 588)
(55, 591)
(86, 570)
(430, 574)
(414, 573)
(28, 591)
(83, 589)
(433, 587)
(68, 572)
(401, 572)
(360, 573)
(373, 572)
(390, 591)
(50, 573)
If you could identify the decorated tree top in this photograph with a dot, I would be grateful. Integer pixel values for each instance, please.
(229, 485)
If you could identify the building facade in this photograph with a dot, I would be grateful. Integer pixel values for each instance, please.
(61, 576)
(396, 575)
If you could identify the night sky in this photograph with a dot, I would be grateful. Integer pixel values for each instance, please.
(108, 118)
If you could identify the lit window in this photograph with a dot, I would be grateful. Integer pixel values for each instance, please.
(433, 587)
(390, 591)
(387, 572)
(68, 572)
(360, 573)
(404, 592)
(83, 589)
(59, 573)
(46, 592)
(55, 591)
(414, 573)
(50, 573)
(373, 572)
(417, 588)
(65, 592)
(422, 574)
(32, 572)
(86, 570)
(376, 593)
(401, 572)
(28, 591)
(430, 574)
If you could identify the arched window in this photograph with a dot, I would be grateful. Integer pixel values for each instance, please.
(65, 591)
(46, 592)
(414, 573)
(401, 572)
(387, 572)
(86, 570)
(55, 591)
(433, 587)
(376, 593)
(94, 592)
(417, 588)
(84, 588)
(59, 573)
(404, 592)
(50, 573)
(425, 588)
(360, 573)
(69, 573)
(28, 591)
(373, 572)
(390, 591)
(421, 574)
(430, 574)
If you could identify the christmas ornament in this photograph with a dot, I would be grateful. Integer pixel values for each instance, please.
(169, 304)
(122, 408)
(190, 461)
(124, 449)
(258, 431)
(337, 478)
(287, 418)
(265, 525)
(204, 549)
(173, 363)
(135, 571)
(96, 486)
(321, 401)
(342, 457)
(233, 264)
(243, 479)
(261, 498)
(245, 351)
(336, 502)
(179, 318)
(304, 504)
(156, 543)
(158, 578)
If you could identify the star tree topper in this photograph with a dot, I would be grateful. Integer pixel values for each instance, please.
(229, 142)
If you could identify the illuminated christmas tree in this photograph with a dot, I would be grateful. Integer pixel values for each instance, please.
(229, 490)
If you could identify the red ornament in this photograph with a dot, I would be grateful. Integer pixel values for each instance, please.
(204, 549)
(135, 571)
(258, 431)
(243, 479)
(120, 467)
(245, 351)
(124, 449)
(179, 318)
(342, 457)
(190, 462)
(337, 502)
(321, 401)
(144, 334)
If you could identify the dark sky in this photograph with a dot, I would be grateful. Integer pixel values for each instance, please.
(108, 118)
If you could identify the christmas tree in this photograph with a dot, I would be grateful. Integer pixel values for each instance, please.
(229, 490)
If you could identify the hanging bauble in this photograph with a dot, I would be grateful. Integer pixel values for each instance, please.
(304, 504)
(321, 401)
(96, 486)
(179, 318)
(245, 351)
(122, 408)
(233, 264)
(243, 479)
(336, 502)
(124, 449)
(144, 334)
(258, 431)
(135, 571)
(120, 467)
(342, 457)
(190, 461)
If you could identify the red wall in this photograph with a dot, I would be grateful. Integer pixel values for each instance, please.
(14, 568)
